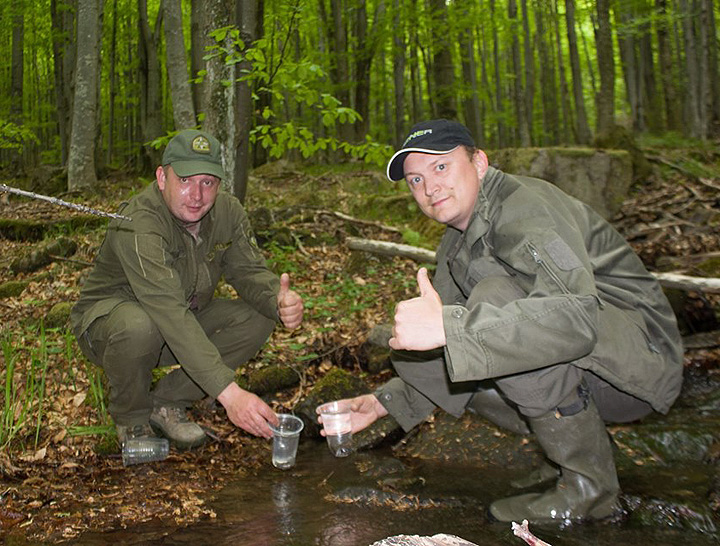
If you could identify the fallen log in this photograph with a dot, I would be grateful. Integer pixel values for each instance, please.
(422, 255)
(391, 249)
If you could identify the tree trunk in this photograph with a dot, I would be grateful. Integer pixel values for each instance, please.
(219, 98)
(564, 93)
(199, 40)
(711, 83)
(177, 67)
(692, 72)
(246, 15)
(367, 42)
(582, 129)
(149, 72)
(670, 96)
(399, 52)
(549, 95)
(529, 71)
(64, 57)
(605, 100)
(81, 159)
(16, 83)
(443, 75)
(113, 87)
(519, 99)
(501, 138)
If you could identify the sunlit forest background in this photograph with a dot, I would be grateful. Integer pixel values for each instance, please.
(95, 85)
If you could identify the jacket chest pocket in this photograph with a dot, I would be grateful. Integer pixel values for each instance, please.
(468, 272)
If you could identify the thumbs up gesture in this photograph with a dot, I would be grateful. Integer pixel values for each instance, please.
(290, 304)
(419, 321)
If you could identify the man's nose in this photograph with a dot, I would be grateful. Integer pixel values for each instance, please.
(196, 192)
(431, 186)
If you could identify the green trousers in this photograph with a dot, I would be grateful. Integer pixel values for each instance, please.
(424, 383)
(127, 345)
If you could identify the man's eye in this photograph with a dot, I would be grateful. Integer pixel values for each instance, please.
(184, 180)
(415, 180)
(441, 167)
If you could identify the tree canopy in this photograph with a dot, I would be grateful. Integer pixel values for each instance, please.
(92, 84)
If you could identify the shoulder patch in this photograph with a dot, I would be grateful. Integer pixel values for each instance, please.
(563, 256)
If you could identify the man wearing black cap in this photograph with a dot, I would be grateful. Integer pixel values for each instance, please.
(539, 314)
(149, 300)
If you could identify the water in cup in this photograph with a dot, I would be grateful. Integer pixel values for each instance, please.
(286, 436)
(338, 427)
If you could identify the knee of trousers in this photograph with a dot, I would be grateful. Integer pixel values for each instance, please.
(496, 291)
(129, 332)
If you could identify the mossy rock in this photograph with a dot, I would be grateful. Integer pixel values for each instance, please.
(273, 378)
(335, 385)
(12, 289)
(58, 315)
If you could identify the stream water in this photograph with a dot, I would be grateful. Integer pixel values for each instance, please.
(324, 501)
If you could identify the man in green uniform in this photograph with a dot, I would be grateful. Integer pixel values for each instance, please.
(149, 301)
(540, 317)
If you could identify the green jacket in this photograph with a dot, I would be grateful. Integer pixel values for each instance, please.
(155, 261)
(576, 270)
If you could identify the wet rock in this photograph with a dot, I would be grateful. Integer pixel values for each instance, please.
(366, 496)
(416, 540)
(691, 516)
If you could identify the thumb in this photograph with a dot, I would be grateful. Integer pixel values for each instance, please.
(426, 287)
(284, 283)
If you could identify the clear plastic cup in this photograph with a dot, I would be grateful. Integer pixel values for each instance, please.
(286, 437)
(338, 427)
(144, 450)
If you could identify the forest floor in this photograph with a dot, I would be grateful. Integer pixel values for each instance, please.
(60, 469)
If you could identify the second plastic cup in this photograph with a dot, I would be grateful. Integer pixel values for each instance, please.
(286, 436)
(338, 427)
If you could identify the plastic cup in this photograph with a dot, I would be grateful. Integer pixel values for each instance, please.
(338, 427)
(286, 436)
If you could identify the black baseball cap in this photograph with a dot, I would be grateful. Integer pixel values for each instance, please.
(437, 136)
(192, 152)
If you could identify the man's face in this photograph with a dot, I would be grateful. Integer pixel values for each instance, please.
(189, 199)
(446, 186)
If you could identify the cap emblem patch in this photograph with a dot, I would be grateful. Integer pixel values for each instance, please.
(201, 145)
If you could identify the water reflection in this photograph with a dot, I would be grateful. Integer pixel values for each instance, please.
(294, 508)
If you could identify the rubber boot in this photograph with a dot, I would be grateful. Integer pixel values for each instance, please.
(488, 403)
(587, 488)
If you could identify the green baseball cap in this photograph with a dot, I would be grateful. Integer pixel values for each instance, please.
(192, 152)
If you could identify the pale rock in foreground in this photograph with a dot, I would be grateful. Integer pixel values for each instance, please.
(521, 531)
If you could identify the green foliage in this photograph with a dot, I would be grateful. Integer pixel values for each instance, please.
(292, 84)
(15, 137)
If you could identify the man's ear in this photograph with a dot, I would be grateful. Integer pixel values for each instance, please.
(481, 163)
(160, 176)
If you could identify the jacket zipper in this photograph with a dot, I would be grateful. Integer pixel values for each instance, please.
(538, 260)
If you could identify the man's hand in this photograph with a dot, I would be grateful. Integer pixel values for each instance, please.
(290, 304)
(365, 410)
(419, 321)
(247, 410)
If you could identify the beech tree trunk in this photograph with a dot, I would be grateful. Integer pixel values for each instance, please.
(399, 52)
(582, 129)
(605, 100)
(549, 95)
(247, 14)
(64, 56)
(217, 97)
(149, 72)
(177, 68)
(81, 158)
(443, 75)
(519, 99)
